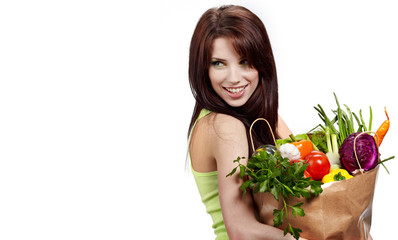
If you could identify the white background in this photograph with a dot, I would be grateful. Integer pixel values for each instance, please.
(95, 106)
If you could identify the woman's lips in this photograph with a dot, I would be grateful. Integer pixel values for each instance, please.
(235, 92)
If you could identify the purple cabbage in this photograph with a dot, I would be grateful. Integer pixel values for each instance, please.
(366, 151)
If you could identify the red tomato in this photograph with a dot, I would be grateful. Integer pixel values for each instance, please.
(307, 174)
(318, 164)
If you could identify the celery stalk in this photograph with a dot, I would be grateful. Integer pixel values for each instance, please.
(333, 149)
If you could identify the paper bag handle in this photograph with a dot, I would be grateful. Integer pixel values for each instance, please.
(270, 129)
(251, 139)
(355, 151)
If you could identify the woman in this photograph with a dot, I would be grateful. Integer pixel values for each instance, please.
(233, 79)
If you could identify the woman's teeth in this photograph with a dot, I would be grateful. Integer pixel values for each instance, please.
(235, 90)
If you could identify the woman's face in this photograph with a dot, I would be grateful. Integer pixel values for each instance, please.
(230, 75)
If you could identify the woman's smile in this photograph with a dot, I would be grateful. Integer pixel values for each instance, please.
(235, 92)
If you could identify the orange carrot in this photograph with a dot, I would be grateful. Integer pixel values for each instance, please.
(381, 132)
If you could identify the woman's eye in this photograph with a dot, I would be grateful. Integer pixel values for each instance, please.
(244, 62)
(217, 64)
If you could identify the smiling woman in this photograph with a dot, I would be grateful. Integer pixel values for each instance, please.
(235, 33)
(233, 79)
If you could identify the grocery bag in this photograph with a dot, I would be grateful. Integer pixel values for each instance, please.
(342, 211)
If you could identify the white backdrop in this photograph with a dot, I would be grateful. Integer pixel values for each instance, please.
(95, 106)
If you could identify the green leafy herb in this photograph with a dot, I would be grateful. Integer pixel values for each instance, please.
(266, 172)
(298, 137)
(318, 138)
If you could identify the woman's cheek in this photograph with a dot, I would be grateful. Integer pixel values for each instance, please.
(216, 76)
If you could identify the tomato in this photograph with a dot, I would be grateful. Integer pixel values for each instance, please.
(318, 164)
(307, 174)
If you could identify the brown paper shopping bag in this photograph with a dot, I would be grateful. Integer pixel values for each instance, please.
(342, 211)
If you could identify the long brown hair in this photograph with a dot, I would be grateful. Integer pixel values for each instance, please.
(250, 40)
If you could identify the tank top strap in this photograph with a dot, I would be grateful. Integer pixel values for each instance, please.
(204, 112)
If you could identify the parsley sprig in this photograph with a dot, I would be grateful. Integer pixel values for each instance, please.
(266, 172)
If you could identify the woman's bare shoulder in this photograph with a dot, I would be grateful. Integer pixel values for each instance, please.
(227, 126)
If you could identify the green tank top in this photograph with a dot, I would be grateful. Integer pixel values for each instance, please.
(207, 184)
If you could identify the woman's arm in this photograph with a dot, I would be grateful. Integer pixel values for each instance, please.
(282, 129)
(229, 142)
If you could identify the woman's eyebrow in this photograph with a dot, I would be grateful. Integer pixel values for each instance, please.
(218, 59)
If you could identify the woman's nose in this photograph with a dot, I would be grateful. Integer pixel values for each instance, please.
(234, 75)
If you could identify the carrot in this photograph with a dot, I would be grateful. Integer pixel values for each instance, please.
(381, 132)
